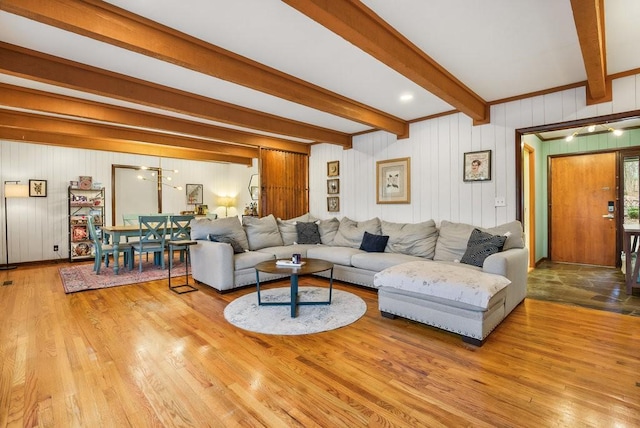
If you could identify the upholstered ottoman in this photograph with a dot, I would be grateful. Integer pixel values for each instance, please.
(452, 297)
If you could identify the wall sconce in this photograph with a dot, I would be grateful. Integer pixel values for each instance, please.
(226, 202)
(12, 189)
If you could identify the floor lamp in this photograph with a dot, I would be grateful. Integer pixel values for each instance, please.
(12, 189)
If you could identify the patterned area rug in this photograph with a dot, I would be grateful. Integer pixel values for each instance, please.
(82, 277)
(345, 308)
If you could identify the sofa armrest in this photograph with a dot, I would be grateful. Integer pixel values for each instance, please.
(212, 263)
(513, 264)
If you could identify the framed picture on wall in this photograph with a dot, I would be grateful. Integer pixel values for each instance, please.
(333, 204)
(38, 188)
(393, 181)
(194, 194)
(333, 186)
(477, 166)
(333, 169)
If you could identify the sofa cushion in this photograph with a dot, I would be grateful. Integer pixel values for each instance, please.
(374, 243)
(288, 231)
(286, 251)
(237, 248)
(337, 255)
(416, 239)
(328, 229)
(350, 232)
(480, 246)
(249, 259)
(453, 238)
(376, 262)
(201, 228)
(443, 281)
(307, 233)
(262, 232)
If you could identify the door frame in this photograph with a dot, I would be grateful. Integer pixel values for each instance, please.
(519, 147)
(529, 166)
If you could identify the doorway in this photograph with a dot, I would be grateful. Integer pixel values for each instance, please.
(582, 209)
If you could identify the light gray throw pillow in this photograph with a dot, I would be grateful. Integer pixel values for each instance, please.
(262, 232)
(350, 232)
(414, 239)
(328, 229)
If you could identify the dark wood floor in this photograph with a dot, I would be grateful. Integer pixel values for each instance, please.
(587, 286)
(140, 355)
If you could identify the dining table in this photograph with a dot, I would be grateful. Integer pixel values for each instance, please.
(113, 234)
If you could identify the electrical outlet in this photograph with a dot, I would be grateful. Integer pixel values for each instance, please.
(55, 248)
(500, 202)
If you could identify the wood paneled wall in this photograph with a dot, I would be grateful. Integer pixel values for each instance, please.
(284, 183)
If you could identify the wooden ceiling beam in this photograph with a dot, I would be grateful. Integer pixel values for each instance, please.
(28, 121)
(110, 24)
(29, 64)
(589, 20)
(34, 100)
(113, 145)
(356, 23)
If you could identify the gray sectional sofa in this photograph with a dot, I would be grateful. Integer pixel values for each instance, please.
(417, 270)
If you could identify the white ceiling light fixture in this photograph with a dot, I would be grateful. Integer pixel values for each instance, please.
(406, 97)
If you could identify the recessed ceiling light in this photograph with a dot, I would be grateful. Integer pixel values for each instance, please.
(406, 97)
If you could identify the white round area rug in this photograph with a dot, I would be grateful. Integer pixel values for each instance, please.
(344, 309)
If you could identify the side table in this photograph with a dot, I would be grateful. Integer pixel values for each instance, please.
(186, 245)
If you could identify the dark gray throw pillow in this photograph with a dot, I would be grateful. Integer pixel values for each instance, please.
(308, 233)
(374, 243)
(237, 248)
(480, 246)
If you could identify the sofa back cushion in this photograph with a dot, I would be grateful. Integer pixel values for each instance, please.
(414, 239)
(453, 238)
(328, 229)
(262, 232)
(288, 231)
(201, 228)
(350, 232)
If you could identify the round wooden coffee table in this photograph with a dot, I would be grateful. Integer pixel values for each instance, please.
(310, 266)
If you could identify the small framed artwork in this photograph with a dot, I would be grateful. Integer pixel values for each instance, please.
(477, 166)
(333, 186)
(38, 188)
(393, 181)
(333, 169)
(194, 194)
(333, 204)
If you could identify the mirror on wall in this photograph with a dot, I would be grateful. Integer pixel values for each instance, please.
(254, 187)
(132, 195)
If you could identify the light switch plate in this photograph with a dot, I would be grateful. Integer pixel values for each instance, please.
(500, 202)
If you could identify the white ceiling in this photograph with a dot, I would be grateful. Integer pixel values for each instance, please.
(498, 49)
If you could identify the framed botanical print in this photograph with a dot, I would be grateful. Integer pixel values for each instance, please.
(333, 204)
(393, 181)
(477, 166)
(333, 169)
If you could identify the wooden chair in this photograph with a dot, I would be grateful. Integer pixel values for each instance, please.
(105, 250)
(180, 231)
(151, 238)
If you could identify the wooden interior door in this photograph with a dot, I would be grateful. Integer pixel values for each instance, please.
(581, 188)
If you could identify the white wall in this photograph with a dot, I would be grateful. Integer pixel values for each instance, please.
(37, 224)
(436, 148)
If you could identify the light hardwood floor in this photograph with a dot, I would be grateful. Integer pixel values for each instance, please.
(140, 355)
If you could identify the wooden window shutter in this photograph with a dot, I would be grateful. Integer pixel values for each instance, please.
(284, 181)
